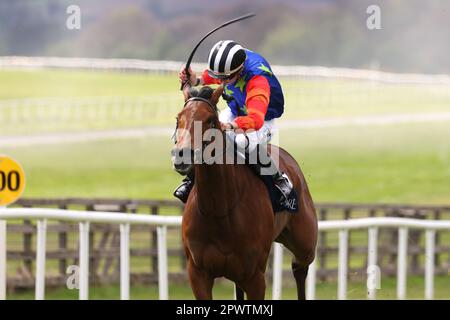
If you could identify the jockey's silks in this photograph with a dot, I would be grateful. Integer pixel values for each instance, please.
(257, 102)
(254, 65)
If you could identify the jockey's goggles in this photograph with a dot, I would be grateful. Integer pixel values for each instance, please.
(215, 75)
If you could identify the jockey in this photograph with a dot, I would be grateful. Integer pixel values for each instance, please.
(254, 97)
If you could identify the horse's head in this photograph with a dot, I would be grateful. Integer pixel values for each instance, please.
(199, 114)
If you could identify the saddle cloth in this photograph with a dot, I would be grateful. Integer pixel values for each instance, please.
(279, 204)
(290, 205)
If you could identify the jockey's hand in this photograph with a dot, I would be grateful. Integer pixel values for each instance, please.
(229, 126)
(193, 76)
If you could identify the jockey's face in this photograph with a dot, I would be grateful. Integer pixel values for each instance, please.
(234, 78)
(231, 80)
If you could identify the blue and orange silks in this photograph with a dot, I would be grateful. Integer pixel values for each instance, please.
(256, 95)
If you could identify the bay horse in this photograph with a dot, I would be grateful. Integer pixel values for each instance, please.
(228, 222)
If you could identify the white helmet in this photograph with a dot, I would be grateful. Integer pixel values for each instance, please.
(225, 58)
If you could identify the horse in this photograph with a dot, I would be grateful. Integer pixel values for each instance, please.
(228, 224)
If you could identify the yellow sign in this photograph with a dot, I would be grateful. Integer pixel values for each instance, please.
(12, 180)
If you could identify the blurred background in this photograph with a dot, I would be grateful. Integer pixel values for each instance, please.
(414, 35)
(89, 112)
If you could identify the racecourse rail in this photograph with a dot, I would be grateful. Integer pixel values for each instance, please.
(84, 218)
(165, 66)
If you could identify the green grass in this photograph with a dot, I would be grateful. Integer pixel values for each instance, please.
(311, 99)
(224, 290)
(307, 98)
(160, 99)
(403, 163)
(58, 83)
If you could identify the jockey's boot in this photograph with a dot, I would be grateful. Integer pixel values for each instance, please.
(183, 190)
(280, 179)
(283, 183)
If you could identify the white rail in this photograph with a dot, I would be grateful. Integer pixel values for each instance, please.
(84, 218)
(163, 66)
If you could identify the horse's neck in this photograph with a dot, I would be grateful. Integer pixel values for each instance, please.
(217, 189)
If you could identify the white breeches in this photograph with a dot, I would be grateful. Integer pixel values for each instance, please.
(251, 139)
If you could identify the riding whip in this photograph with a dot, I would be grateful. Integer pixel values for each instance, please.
(188, 63)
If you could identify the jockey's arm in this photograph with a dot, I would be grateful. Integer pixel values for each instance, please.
(206, 79)
(257, 102)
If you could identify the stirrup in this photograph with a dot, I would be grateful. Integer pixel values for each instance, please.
(284, 184)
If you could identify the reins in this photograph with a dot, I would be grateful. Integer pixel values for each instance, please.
(213, 107)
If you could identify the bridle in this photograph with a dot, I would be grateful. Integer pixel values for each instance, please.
(212, 126)
(213, 108)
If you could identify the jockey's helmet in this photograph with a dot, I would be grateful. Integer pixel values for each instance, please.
(225, 59)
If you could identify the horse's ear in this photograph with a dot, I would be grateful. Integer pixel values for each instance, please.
(216, 95)
(186, 90)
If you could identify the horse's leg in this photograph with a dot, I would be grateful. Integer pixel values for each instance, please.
(300, 239)
(255, 287)
(300, 272)
(201, 282)
(239, 292)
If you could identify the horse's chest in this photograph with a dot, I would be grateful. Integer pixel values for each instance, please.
(214, 258)
(204, 254)
(223, 261)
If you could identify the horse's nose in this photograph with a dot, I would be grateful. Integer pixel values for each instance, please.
(182, 159)
(182, 155)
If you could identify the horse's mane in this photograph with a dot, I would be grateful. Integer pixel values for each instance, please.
(204, 92)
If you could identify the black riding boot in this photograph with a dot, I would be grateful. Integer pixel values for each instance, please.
(283, 184)
(183, 190)
(280, 179)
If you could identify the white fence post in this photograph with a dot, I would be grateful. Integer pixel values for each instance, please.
(429, 264)
(125, 261)
(40, 259)
(402, 262)
(84, 261)
(163, 278)
(311, 281)
(342, 269)
(372, 259)
(2, 258)
(277, 271)
(125, 220)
